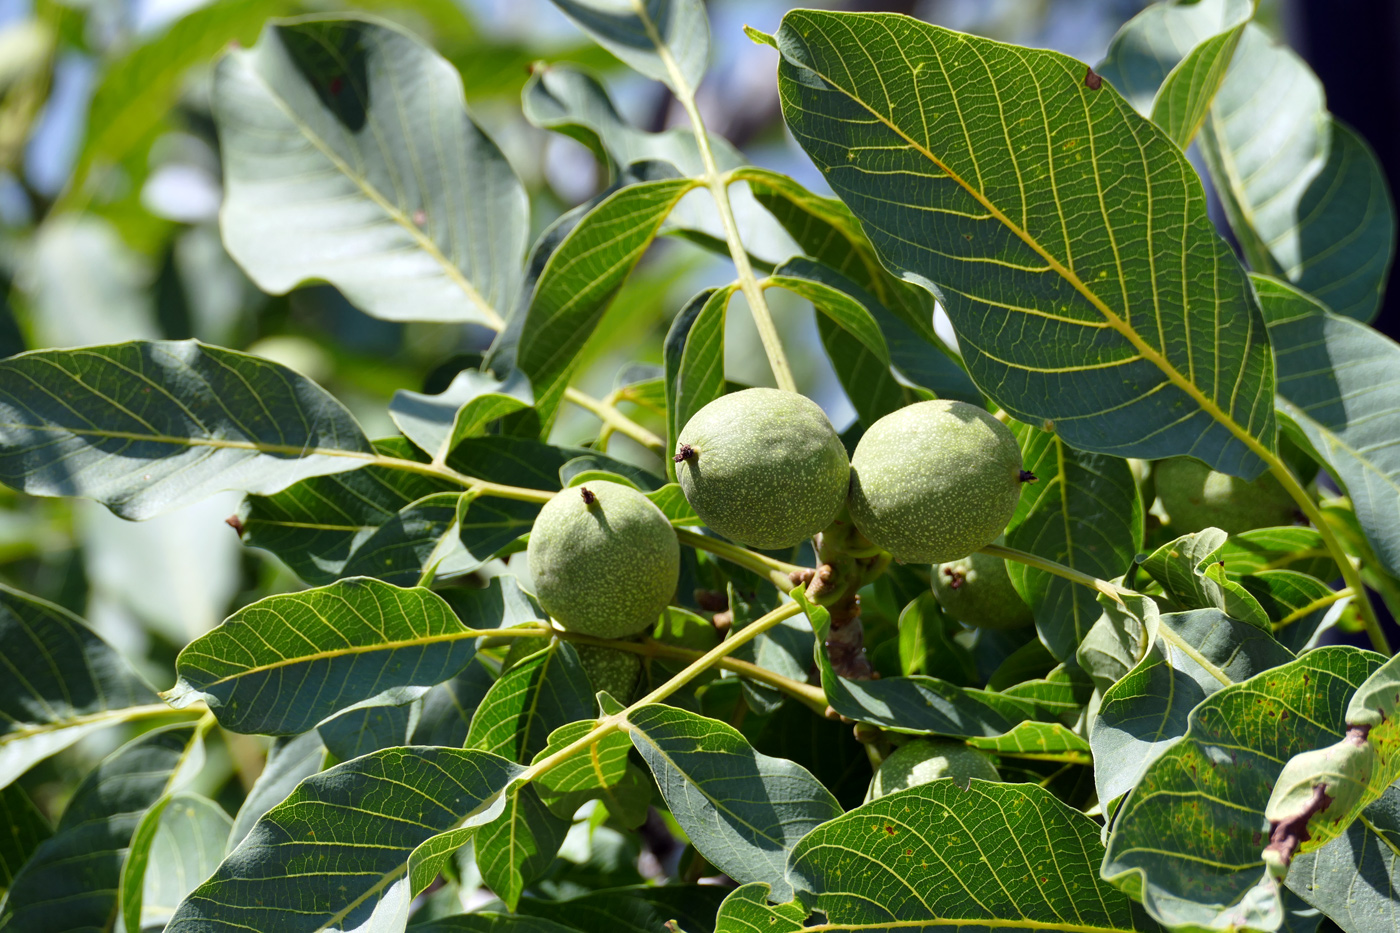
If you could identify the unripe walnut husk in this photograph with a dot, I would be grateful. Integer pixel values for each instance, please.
(605, 560)
(610, 671)
(763, 467)
(1195, 497)
(935, 481)
(924, 760)
(977, 590)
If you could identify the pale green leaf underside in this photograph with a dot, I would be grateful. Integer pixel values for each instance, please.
(146, 427)
(1150, 45)
(666, 40)
(349, 156)
(1184, 99)
(1068, 236)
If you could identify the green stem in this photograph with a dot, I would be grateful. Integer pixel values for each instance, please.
(718, 184)
(614, 420)
(1351, 574)
(777, 572)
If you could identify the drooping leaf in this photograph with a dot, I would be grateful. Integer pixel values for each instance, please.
(633, 909)
(61, 682)
(314, 526)
(1083, 512)
(289, 762)
(515, 848)
(666, 40)
(1339, 383)
(266, 669)
(1305, 195)
(1127, 352)
(1209, 869)
(581, 276)
(1146, 711)
(349, 156)
(544, 691)
(146, 427)
(1353, 878)
(436, 423)
(743, 810)
(71, 881)
(306, 865)
(178, 844)
(22, 828)
(1192, 575)
(1046, 741)
(993, 856)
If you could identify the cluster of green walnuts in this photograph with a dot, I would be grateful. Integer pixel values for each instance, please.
(932, 483)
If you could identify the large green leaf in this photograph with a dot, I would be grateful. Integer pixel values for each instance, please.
(1184, 99)
(179, 843)
(1146, 711)
(699, 379)
(597, 771)
(268, 667)
(1305, 195)
(60, 682)
(1299, 607)
(422, 536)
(349, 156)
(743, 810)
(580, 278)
(992, 857)
(437, 423)
(147, 427)
(515, 848)
(1152, 44)
(71, 881)
(352, 846)
(1192, 576)
(289, 762)
(1192, 834)
(544, 691)
(315, 525)
(368, 728)
(965, 160)
(1083, 512)
(666, 40)
(1339, 382)
(1353, 879)
(137, 92)
(22, 828)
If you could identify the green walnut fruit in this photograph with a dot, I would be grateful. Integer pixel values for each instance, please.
(605, 560)
(924, 760)
(610, 671)
(977, 590)
(935, 480)
(763, 467)
(1194, 497)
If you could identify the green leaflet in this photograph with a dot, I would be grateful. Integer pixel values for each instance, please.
(743, 810)
(544, 691)
(289, 762)
(22, 828)
(417, 804)
(1209, 869)
(1305, 195)
(71, 881)
(147, 427)
(1083, 512)
(437, 423)
(1338, 384)
(1127, 351)
(694, 351)
(265, 669)
(1292, 547)
(1299, 607)
(1147, 709)
(178, 844)
(1183, 101)
(518, 846)
(1152, 44)
(666, 40)
(992, 857)
(349, 156)
(60, 682)
(581, 777)
(367, 728)
(422, 536)
(1048, 741)
(1192, 575)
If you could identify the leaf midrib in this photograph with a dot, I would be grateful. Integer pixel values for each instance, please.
(1115, 321)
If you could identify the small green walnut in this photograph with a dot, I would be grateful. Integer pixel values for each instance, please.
(935, 480)
(924, 760)
(977, 590)
(763, 467)
(1194, 497)
(605, 560)
(610, 671)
